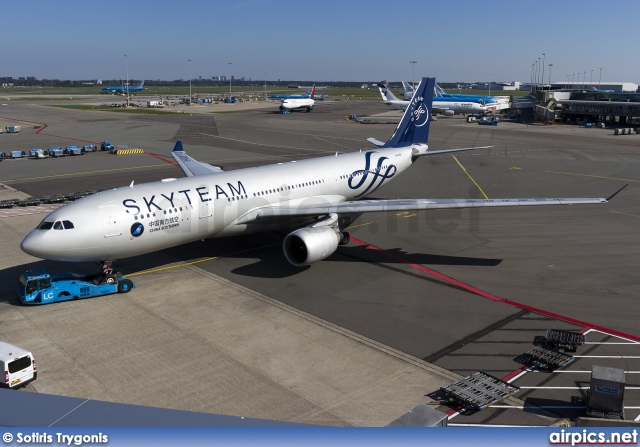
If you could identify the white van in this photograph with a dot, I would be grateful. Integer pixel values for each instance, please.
(18, 365)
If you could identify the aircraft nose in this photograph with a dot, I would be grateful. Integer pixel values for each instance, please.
(32, 245)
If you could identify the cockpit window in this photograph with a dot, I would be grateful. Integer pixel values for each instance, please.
(68, 225)
(45, 226)
(57, 225)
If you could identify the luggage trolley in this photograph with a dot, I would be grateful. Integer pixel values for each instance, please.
(479, 390)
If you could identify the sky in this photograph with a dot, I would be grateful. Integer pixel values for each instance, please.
(322, 40)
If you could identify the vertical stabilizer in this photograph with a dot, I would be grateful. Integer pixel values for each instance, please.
(414, 125)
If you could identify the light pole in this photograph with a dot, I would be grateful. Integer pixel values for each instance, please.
(189, 60)
(584, 79)
(229, 80)
(578, 79)
(126, 63)
(538, 74)
(543, 56)
(591, 82)
(550, 65)
(567, 80)
(265, 86)
(413, 74)
(572, 75)
(600, 79)
(532, 66)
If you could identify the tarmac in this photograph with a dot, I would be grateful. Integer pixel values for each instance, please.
(227, 326)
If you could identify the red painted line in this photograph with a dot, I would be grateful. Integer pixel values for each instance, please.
(583, 330)
(491, 297)
(162, 158)
(513, 374)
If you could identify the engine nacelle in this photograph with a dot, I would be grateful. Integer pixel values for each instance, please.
(449, 113)
(308, 245)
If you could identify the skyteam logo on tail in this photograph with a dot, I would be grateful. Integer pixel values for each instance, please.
(420, 115)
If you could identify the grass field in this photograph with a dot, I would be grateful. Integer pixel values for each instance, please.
(355, 93)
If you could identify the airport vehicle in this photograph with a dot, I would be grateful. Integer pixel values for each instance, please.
(18, 365)
(38, 287)
(123, 89)
(446, 107)
(210, 202)
(17, 154)
(489, 121)
(13, 129)
(2, 156)
(231, 100)
(56, 152)
(89, 148)
(106, 146)
(305, 104)
(73, 150)
(37, 153)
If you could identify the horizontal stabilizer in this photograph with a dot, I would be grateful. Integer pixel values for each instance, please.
(190, 166)
(376, 142)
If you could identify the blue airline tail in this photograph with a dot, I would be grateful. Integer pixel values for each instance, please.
(414, 125)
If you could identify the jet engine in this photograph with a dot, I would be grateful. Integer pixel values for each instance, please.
(448, 113)
(308, 245)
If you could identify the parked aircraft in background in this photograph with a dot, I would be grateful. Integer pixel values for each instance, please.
(123, 89)
(305, 104)
(304, 95)
(323, 193)
(602, 91)
(446, 106)
(440, 93)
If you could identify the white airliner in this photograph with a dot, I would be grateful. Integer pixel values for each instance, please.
(305, 104)
(323, 193)
(447, 108)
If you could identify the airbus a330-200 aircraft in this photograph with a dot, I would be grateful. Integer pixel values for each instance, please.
(324, 193)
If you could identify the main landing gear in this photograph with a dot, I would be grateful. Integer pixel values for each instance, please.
(345, 237)
(108, 276)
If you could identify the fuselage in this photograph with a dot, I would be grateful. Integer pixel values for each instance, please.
(297, 103)
(442, 106)
(130, 221)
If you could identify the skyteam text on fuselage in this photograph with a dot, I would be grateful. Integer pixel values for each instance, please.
(322, 195)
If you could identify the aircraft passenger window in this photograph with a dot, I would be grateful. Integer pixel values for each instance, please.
(45, 226)
(180, 208)
(68, 225)
(57, 226)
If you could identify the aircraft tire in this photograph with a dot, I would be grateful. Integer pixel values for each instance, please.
(345, 238)
(125, 286)
(110, 279)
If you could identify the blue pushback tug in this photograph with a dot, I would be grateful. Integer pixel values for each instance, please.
(38, 287)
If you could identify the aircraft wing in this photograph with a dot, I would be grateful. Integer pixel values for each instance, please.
(190, 166)
(371, 206)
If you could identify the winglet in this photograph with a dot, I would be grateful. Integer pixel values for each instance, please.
(178, 147)
(615, 193)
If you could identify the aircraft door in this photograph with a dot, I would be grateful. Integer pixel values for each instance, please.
(204, 210)
(109, 221)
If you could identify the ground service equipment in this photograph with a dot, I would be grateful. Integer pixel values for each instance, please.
(479, 390)
(38, 287)
(606, 394)
(106, 146)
